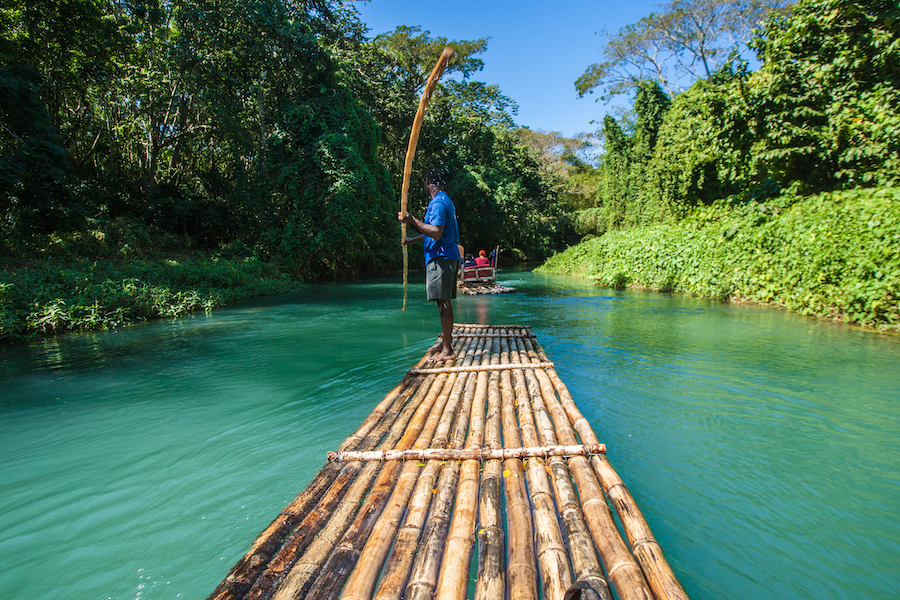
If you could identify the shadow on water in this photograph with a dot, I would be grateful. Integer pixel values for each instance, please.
(762, 447)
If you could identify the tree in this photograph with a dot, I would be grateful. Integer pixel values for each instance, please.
(50, 55)
(826, 98)
(689, 39)
(388, 75)
(616, 191)
(703, 147)
(566, 165)
(626, 158)
(502, 193)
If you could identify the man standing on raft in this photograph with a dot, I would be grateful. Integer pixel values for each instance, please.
(441, 239)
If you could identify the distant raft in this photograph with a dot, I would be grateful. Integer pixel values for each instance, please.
(481, 464)
(483, 287)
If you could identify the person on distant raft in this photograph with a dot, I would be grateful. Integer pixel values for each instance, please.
(482, 260)
(441, 239)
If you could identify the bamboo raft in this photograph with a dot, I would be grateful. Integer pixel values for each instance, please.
(480, 465)
(483, 287)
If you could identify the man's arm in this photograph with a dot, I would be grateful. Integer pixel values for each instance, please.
(413, 240)
(433, 231)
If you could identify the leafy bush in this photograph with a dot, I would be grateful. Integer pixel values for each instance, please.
(833, 255)
(85, 295)
(589, 222)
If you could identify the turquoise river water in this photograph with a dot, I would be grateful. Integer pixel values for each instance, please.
(763, 447)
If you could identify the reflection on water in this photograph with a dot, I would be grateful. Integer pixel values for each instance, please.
(763, 447)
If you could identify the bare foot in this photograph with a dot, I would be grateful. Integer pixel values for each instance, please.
(444, 355)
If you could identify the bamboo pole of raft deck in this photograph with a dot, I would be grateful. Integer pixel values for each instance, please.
(476, 368)
(453, 582)
(486, 453)
(491, 580)
(400, 562)
(436, 73)
(344, 558)
(485, 327)
(466, 331)
(621, 568)
(424, 576)
(355, 520)
(413, 497)
(362, 580)
(553, 560)
(243, 575)
(662, 580)
(585, 564)
(339, 500)
(349, 488)
(522, 569)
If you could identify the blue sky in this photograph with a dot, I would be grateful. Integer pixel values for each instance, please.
(537, 49)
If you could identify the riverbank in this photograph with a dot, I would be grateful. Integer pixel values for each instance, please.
(833, 255)
(41, 298)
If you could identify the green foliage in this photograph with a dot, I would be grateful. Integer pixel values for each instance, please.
(35, 194)
(589, 222)
(623, 170)
(52, 298)
(821, 114)
(335, 212)
(826, 98)
(503, 195)
(702, 153)
(616, 167)
(833, 255)
(188, 118)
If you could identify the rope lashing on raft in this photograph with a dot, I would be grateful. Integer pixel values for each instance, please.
(468, 454)
(476, 368)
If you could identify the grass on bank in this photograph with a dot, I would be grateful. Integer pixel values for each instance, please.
(833, 255)
(79, 295)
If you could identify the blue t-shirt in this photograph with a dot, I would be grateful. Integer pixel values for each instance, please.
(442, 212)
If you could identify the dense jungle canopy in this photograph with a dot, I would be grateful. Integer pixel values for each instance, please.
(269, 128)
(267, 137)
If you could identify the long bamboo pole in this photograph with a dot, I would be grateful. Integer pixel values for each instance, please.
(621, 568)
(553, 560)
(247, 570)
(436, 73)
(522, 569)
(477, 368)
(475, 453)
(522, 329)
(646, 549)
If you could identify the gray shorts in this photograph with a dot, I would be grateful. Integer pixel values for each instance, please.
(440, 279)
